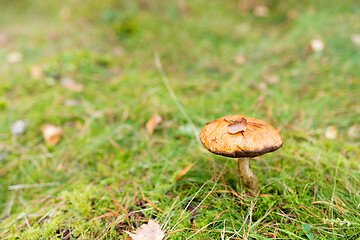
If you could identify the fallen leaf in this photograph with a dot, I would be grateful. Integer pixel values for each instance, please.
(118, 51)
(260, 99)
(72, 102)
(245, 5)
(240, 60)
(14, 57)
(72, 85)
(317, 45)
(18, 127)
(152, 123)
(259, 86)
(292, 14)
(355, 38)
(182, 5)
(3, 38)
(4, 147)
(261, 11)
(150, 231)
(331, 132)
(271, 79)
(51, 133)
(183, 172)
(37, 72)
(353, 131)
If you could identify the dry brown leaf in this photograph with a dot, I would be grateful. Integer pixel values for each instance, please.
(260, 99)
(317, 45)
(183, 172)
(72, 85)
(271, 79)
(245, 5)
(240, 60)
(51, 133)
(150, 231)
(183, 6)
(259, 86)
(14, 57)
(117, 51)
(261, 11)
(72, 102)
(3, 38)
(152, 123)
(292, 14)
(37, 72)
(331, 132)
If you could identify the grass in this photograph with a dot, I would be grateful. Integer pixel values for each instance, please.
(107, 175)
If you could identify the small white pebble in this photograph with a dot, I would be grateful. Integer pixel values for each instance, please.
(18, 127)
(317, 45)
(355, 38)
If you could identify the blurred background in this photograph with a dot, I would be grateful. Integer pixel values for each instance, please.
(114, 93)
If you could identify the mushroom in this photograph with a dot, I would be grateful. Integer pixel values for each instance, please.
(241, 137)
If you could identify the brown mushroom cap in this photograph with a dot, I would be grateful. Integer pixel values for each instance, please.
(254, 141)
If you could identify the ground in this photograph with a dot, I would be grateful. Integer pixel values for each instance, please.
(190, 62)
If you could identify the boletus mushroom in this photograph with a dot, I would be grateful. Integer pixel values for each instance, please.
(241, 137)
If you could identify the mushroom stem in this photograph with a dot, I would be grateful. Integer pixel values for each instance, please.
(247, 176)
